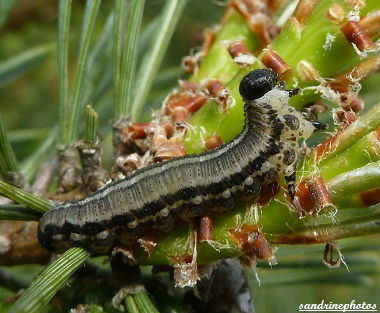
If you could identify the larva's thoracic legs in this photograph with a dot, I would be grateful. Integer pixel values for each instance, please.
(293, 92)
(308, 115)
(290, 180)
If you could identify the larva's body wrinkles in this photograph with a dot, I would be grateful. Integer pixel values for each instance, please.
(186, 186)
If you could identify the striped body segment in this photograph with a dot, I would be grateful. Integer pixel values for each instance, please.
(184, 187)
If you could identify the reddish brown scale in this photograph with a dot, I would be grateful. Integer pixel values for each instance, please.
(218, 91)
(268, 191)
(351, 101)
(189, 86)
(343, 81)
(273, 61)
(303, 10)
(195, 103)
(159, 134)
(190, 102)
(371, 23)
(345, 118)
(213, 142)
(138, 130)
(303, 197)
(185, 274)
(377, 132)
(180, 114)
(312, 196)
(336, 13)
(318, 193)
(370, 197)
(189, 64)
(237, 50)
(129, 145)
(127, 253)
(250, 239)
(149, 242)
(355, 3)
(307, 71)
(356, 35)
(163, 122)
(208, 40)
(171, 149)
(328, 255)
(273, 5)
(129, 163)
(169, 129)
(205, 229)
(185, 266)
(159, 138)
(258, 18)
(326, 146)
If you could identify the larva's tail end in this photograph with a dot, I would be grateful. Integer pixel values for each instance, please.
(43, 238)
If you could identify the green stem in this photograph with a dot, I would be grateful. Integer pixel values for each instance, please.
(367, 122)
(8, 161)
(128, 71)
(18, 212)
(364, 178)
(24, 198)
(365, 150)
(64, 12)
(131, 305)
(153, 58)
(53, 278)
(358, 200)
(92, 7)
(323, 233)
(92, 125)
(144, 303)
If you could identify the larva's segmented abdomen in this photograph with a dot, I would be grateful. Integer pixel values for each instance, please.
(184, 187)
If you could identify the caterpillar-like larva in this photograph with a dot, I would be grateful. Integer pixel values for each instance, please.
(156, 195)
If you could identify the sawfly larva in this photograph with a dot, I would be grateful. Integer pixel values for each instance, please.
(188, 186)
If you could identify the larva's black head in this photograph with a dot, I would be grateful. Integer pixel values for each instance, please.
(257, 83)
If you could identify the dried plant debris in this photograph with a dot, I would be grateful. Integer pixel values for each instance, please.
(69, 176)
(226, 290)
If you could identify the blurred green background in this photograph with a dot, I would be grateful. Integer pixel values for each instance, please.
(28, 104)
